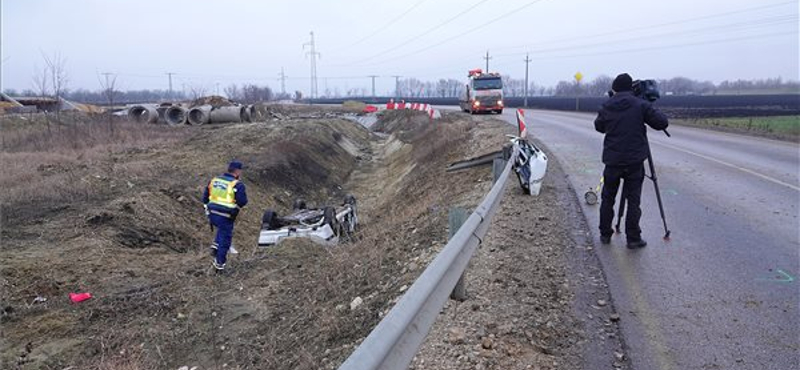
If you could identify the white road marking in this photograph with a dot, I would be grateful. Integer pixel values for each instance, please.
(731, 165)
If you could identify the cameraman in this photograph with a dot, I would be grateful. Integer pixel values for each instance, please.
(625, 148)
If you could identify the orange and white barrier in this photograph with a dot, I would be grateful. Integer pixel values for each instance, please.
(391, 105)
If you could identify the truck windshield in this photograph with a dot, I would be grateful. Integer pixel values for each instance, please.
(487, 83)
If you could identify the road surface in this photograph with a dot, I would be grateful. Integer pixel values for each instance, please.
(722, 293)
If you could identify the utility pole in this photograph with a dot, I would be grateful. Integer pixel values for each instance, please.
(397, 86)
(373, 85)
(525, 100)
(1, 69)
(487, 57)
(217, 84)
(313, 54)
(170, 83)
(283, 82)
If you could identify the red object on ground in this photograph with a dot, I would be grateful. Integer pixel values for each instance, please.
(370, 109)
(390, 104)
(79, 297)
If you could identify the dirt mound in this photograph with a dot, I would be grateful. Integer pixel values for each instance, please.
(214, 101)
(288, 111)
(409, 124)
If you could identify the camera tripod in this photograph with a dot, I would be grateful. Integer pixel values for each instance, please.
(654, 178)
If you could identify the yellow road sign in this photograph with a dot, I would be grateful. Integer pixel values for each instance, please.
(578, 77)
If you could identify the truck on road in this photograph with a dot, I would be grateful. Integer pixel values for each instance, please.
(484, 93)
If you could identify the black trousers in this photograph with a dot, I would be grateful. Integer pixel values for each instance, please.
(632, 177)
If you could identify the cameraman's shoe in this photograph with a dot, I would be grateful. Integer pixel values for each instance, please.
(605, 239)
(636, 244)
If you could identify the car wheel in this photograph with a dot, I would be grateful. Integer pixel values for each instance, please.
(269, 221)
(299, 204)
(329, 218)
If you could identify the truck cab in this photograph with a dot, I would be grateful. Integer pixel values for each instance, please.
(483, 93)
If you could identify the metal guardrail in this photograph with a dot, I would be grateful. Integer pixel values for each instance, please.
(394, 342)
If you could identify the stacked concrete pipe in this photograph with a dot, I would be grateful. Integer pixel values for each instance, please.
(143, 113)
(247, 115)
(176, 115)
(200, 115)
(162, 112)
(234, 114)
(253, 113)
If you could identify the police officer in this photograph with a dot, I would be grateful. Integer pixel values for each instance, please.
(622, 119)
(223, 198)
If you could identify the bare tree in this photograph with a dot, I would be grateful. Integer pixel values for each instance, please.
(59, 78)
(109, 92)
(197, 91)
(41, 86)
(232, 92)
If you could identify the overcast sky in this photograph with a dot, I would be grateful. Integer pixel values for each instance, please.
(235, 41)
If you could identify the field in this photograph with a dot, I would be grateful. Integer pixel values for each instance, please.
(781, 127)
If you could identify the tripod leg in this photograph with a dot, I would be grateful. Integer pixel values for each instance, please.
(621, 210)
(658, 195)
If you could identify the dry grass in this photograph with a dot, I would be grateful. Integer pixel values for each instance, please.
(142, 250)
(42, 165)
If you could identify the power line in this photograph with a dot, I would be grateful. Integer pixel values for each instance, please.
(385, 26)
(653, 26)
(461, 34)
(759, 22)
(633, 50)
(763, 22)
(424, 33)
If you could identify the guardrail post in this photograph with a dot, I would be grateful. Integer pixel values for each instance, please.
(498, 166)
(455, 218)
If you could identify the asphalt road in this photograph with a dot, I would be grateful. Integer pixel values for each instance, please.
(722, 293)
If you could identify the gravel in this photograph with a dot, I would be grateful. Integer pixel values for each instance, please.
(531, 287)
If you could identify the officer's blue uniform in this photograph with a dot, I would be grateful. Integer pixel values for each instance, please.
(224, 196)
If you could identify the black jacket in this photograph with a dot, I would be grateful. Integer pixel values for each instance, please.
(622, 119)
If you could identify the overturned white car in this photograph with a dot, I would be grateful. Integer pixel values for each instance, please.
(324, 225)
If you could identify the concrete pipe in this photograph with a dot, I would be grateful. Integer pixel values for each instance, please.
(176, 115)
(162, 113)
(253, 112)
(199, 115)
(143, 113)
(226, 114)
(246, 116)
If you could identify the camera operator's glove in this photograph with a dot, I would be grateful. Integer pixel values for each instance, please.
(205, 209)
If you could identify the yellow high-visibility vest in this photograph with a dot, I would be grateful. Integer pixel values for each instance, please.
(221, 192)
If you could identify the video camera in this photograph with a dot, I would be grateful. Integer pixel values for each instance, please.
(644, 89)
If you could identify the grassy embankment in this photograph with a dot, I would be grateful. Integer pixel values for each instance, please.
(780, 127)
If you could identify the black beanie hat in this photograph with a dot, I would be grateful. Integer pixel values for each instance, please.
(623, 82)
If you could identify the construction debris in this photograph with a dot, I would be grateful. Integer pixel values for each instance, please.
(214, 101)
